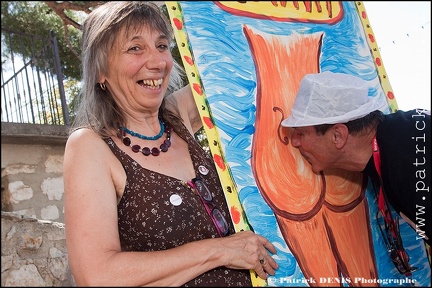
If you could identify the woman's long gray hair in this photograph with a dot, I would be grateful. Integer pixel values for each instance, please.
(97, 109)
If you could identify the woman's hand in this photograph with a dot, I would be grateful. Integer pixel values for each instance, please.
(247, 250)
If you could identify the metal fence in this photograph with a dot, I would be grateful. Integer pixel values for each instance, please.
(32, 88)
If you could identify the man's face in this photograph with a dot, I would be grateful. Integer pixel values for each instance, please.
(316, 149)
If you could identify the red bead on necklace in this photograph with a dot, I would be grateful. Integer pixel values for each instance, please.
(146, 151)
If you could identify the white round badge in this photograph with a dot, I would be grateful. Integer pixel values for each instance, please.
(175, 199)
(203, 170)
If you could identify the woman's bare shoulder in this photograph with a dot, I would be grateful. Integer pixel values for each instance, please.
(83, 137)
(88, 155)
(85, 144)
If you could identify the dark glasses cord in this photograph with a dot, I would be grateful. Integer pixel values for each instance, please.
(393, 241)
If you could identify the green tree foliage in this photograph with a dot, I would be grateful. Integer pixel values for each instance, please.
(42, 18)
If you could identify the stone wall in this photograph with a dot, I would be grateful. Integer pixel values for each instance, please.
(33, 253)
(33, 232)
(32, 170)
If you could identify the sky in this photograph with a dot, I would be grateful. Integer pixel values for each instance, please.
(403, 34)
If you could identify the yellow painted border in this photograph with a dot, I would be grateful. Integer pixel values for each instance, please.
(379, 65)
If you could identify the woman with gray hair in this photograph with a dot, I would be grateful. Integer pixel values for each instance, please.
(143, 201)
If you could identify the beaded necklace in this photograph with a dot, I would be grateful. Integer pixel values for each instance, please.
(156, 137)
(146, 151)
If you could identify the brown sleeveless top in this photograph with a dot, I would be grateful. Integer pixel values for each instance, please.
(150, 218)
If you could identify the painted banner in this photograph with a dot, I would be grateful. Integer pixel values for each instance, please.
(244, 61)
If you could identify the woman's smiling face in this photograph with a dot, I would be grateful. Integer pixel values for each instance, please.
(139, 65)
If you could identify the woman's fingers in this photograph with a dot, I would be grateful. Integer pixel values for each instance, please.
(269, 264)
(251, 251)
(266, 264)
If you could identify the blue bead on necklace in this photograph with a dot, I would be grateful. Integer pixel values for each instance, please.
(156, 137)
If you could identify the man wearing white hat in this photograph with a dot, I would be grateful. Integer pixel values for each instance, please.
(336, 124)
